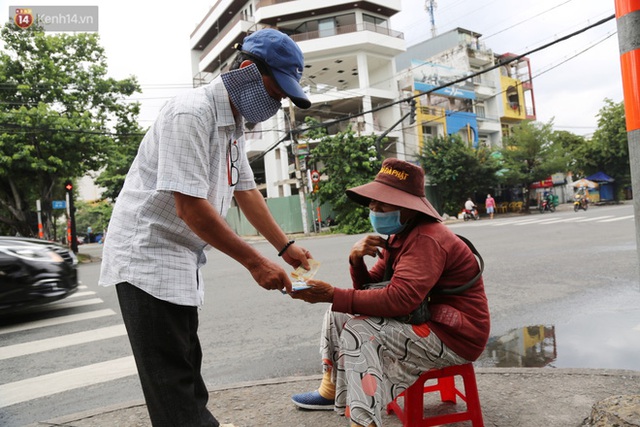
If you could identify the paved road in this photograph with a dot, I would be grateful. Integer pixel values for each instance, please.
(562, 272)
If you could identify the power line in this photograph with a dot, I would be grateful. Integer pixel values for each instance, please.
(385, 105)
(526, 20)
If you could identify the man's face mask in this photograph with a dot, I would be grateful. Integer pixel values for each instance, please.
(248, 94)
(386, 222)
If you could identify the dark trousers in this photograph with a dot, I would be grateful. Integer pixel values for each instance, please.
(166, 348)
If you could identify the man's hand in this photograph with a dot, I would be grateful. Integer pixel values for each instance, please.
(296, 256)
(270, 275)
(369, 245)
(318, 292)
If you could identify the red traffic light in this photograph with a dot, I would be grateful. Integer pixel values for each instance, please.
(68, 186)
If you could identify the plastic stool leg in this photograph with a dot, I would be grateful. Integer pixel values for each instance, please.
(447, 387)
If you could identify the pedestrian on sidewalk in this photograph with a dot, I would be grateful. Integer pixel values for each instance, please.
(190, 164)
(377, 340)
(490, 204)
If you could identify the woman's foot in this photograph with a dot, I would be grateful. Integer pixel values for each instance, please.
(313, 400)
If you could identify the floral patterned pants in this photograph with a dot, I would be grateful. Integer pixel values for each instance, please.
(373, 359)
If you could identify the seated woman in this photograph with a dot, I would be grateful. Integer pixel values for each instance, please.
(374, 345)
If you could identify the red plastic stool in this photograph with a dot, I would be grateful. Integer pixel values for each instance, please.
(412, 412)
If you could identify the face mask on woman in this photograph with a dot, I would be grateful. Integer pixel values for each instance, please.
(248, 94)
(386, 222)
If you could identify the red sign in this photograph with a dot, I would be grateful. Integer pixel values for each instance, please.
(315, 176)
(23, 18)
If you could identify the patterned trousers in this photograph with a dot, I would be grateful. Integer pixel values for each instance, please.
(373, 359)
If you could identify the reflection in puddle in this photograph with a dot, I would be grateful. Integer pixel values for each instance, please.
(528, 347)
(601, 340)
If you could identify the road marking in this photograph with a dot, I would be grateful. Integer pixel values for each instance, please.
(618, 218)
(56, 321)
(61, 341)
(81, 294)
(595, 218)
(518, 222)
(57, 382)
(558, 220)
(544, 221)
(536, 221)
(63, 305)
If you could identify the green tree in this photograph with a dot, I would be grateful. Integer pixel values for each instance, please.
(529, 155)
(608, 150)
(126, 144)
(56, 110)
(456, 170)
(95, 215)
(570, 147)
(347, 161)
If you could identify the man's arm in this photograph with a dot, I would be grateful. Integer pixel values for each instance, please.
(257, 212)
(207, 223)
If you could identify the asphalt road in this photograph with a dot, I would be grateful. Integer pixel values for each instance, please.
(573, 274)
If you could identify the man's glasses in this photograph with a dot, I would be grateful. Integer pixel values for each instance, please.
(232, 157)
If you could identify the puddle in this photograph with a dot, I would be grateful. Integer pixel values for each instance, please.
(601, 340)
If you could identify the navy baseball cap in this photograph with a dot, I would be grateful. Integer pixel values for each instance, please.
(283, 57)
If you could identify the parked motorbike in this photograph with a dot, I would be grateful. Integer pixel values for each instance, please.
(470, 214)
(580, 203)
(328, 222)
(546, 205)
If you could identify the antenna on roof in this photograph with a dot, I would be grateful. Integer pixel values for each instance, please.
(430, 7)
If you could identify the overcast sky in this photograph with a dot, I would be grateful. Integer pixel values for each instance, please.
(571, 79)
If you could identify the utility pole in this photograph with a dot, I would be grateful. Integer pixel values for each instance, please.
(299, 171)
(72, 236)
(412, 120)
(628, 23)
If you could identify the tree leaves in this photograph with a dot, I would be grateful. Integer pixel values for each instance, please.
(457, 171)
(57, 109)
(346, 160)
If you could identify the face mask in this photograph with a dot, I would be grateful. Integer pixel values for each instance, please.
(386, 222)
(248, 94)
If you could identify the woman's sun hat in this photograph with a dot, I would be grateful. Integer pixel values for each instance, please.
(397, 183)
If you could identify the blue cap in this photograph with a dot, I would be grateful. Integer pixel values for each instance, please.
(283, 57)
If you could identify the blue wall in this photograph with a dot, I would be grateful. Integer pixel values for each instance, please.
(457, 120)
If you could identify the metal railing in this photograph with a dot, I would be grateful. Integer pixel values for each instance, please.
(346, 29)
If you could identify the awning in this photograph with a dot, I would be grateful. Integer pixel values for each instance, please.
(545, 183)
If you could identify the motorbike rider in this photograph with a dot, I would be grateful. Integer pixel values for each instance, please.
(581, 198)
(549, 199)
(470, 207)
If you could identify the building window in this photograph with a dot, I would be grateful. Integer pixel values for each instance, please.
(374, 23)
(480, 109)
(327, 27)
(506, 131)
(428, 133)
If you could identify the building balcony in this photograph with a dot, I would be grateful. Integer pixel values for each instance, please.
(356, 37)
(274, 11)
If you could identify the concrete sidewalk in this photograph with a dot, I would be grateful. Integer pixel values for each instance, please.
(510, 397)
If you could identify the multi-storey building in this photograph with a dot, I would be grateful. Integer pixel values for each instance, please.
(457, 96)
(350, 76)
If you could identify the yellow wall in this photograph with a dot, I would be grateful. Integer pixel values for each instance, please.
(509, 112)
(433, 116)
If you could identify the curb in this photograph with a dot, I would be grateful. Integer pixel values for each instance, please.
(526, 397)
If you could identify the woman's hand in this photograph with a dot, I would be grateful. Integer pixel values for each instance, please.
(369, 245)
(318, 292)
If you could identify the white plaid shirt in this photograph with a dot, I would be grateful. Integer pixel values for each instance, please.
(185, 151)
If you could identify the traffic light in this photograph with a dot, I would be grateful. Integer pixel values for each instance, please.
(412, 117)
(68, 186)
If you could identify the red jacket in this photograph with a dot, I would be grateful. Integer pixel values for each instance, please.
(427, 254)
